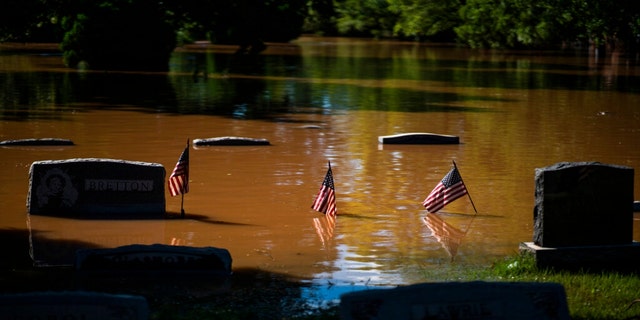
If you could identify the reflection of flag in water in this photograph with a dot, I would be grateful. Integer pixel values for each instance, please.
(448, 236)
(450, 188)
(324, 230)
(179, 179)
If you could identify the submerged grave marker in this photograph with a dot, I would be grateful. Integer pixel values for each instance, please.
(583, 217)
(419, 138)
(231, 141)
(37, 142)
(96, 187)
(459, 300)
(91, 188)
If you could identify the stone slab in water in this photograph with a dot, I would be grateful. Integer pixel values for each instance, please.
(459, 300)
(88, 187)
(230, 141)
(157, 258)
(419, 138)
(73, 305)
(583, 204)
(37, 142)
(610, 258)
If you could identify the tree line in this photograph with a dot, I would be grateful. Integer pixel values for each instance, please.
(100, 32)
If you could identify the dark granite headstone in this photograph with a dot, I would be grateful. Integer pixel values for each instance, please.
(458, 300)
(92, 186)
(73, 305)
(157, 258)
(583, 203)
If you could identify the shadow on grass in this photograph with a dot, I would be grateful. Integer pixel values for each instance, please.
(246, 294)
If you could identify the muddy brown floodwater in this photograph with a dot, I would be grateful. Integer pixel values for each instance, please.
(318, 100)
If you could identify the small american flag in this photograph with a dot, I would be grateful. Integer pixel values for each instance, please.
(450, 188)
(179, 179)
(325, 201)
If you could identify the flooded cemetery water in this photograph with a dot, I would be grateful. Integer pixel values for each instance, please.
(318, 100)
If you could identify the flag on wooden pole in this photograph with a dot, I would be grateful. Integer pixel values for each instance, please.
(450, 188)
(325, 201)
(179, 179)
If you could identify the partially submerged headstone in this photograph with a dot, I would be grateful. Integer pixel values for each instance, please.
(583, 203)
(92, 186)
(459, 300)
(157, 258)
(230, 141)
(37, 142)
(419, 138)
(73, 305)
(583, 218)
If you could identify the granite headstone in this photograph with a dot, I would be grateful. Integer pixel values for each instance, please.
(583, 203)
(94, 186)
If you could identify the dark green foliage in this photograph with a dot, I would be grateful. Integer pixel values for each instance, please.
(365, 18)
(29, 21)
(141, 34)
(427, 19)
(119, 34)
(320, 18)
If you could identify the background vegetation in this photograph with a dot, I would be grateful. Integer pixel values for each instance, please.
(98, 31)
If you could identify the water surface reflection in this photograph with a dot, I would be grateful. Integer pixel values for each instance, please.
(318, 100)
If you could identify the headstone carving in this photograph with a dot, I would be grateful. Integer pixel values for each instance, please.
(458, 300)
(583, 203)
(73, 305)
(93, 186)
(157, 258)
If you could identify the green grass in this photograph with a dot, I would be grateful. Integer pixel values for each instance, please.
(589, 295)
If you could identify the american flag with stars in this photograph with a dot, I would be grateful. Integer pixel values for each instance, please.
(325, 201)
(179, 179)
(449, 189)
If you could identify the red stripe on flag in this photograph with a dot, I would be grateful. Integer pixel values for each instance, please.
(449, 189)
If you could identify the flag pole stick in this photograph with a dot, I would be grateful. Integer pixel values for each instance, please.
(183, 189)
(465, 186)
(182, 207)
